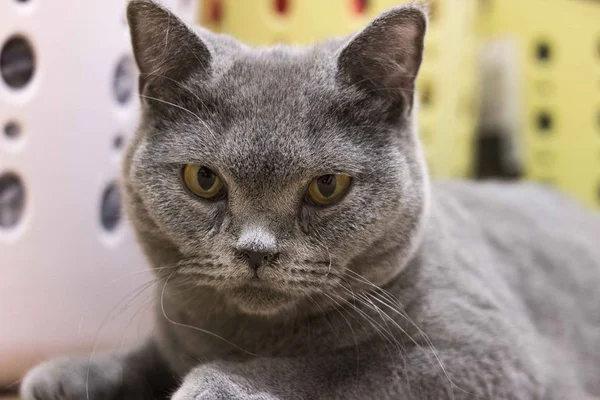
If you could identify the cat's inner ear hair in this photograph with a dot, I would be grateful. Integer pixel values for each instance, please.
(165, 48)
(384, 58)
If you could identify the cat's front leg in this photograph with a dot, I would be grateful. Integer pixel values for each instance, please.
(217, 382)
(259, 379)
(316, 377)
(412, 374)
(140, 374)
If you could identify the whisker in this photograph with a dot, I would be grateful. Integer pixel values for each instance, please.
(181, 108)
(338, 309)
(141, 271)
(388, 337)
(162, 306)
(322, 312)
(136, 292)
(396, 307)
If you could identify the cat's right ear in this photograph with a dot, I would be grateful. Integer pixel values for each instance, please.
(384, 58)
(165, 49)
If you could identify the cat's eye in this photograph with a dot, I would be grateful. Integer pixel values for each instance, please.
(327, 189)
(202, 181)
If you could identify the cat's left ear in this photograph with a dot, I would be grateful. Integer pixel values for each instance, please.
(165, 49)
(384, 58)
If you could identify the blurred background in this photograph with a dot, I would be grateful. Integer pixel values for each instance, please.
(510, 89)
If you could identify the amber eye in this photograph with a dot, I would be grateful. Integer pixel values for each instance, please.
(327, 189)
(202, 181)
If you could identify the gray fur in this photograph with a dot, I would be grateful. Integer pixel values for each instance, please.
(398, 291)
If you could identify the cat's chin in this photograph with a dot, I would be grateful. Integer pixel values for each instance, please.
(261, 300)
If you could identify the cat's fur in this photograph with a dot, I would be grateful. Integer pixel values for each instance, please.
(398, 291)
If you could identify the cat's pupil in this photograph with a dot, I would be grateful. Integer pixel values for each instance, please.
(206, 178)
(326, 184)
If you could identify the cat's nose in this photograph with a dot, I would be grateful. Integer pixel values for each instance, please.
(258, 246)
(256, 259)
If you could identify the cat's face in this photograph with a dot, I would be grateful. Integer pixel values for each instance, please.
(277, 174)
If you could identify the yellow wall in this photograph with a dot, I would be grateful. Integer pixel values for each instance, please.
(558, 43)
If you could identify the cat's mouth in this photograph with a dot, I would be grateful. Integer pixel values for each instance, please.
(258, 297)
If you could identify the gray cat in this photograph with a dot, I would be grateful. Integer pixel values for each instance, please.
(282, 198)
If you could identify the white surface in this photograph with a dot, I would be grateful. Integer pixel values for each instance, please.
(61, 275)
(501, 89)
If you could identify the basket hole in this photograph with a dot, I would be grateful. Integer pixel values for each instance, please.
(12, 130)
(544, 121)
(215, 12)
(543, 51)
(282, 6)
(17, 62)
(118, 142)
(124, 80)
(110, 207)
(426, 95)
(433, 10)
(12, 200)
(360, 6)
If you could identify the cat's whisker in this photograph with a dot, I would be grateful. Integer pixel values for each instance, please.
(357, 297)
(385, 317)
(410, 337)
(359, 277)
(397, 309)
(207, 332)
(428, 341)
(387, 336)
(316, 303)
(145, 303)
(339, 308)
(141, 271)
(135, 293)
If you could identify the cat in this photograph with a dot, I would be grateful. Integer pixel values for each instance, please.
(282, 198)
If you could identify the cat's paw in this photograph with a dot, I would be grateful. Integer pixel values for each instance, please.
(213, 383)
(74, 379)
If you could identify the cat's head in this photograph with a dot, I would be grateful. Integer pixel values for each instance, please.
(271, 175)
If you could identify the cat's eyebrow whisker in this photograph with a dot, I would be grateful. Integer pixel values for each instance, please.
(207, 332)
(181, 108)
(179, 84)
(371, 77)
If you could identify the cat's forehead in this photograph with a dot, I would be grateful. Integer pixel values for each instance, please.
(276, 78)
(279, 107)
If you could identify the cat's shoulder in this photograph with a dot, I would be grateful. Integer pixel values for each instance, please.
(509, 200)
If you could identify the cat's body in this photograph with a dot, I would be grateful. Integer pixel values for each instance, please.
(393, 290)
(507, 274)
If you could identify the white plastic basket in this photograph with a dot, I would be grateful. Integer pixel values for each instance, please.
(67, 262)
